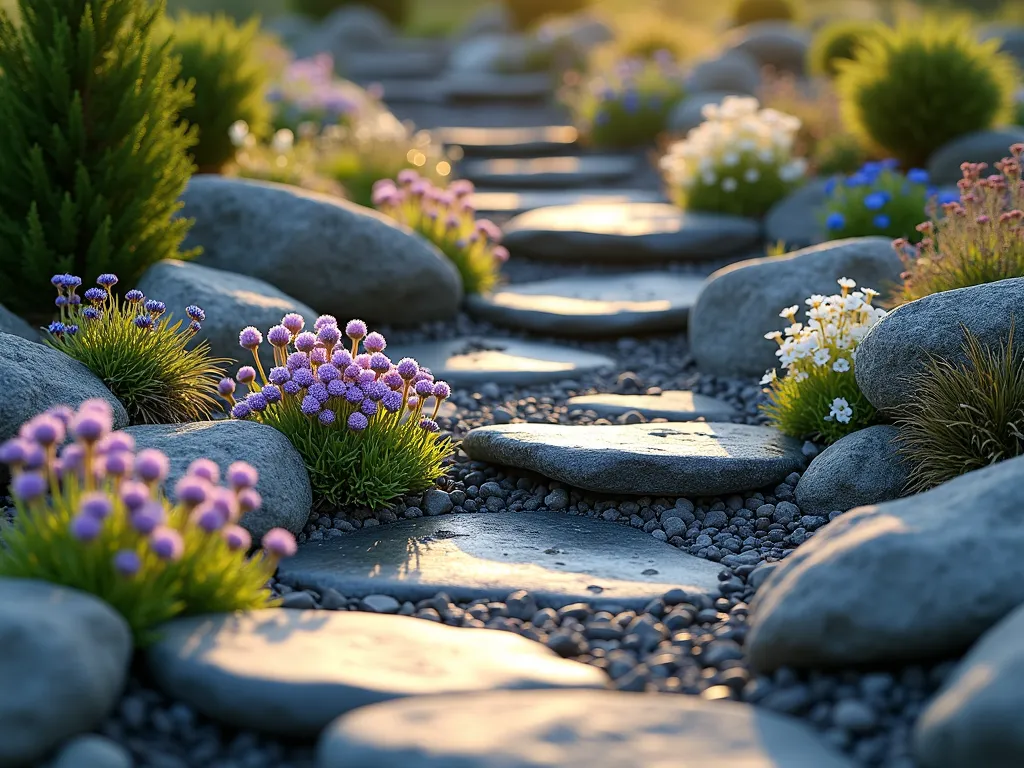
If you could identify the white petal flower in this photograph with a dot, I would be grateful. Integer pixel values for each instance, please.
(789, 312)
(769, 377)
(845, 282)
(751, 175)
(729, 184)
(799, 376)
(821, 357)
(237, 132)
(842, 365)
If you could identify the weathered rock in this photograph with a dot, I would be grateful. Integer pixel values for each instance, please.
(36, 377)
(741, 303)
(907, 580)
(1011, 38)
(64, 663)
(11, 324)
(283, 484)
(559, 559)
(684, 459)
(689, 113)
(671, 405)
(797, 220)
(549, 172)
(896, 349)
(231, 301)
(349, 28)
(493, 18)
(634, 233)
(570, 729)
(92, 751)
(494, 53)
(864, 467)
(988, 147)
(582, 29)
(595, 305)
(975, 718)
(488, 87)
(777, 44)
(337, 257)
(293, 672)
(733, 72)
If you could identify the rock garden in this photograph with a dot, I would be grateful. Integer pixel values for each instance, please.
(525, 384)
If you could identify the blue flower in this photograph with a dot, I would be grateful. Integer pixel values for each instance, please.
(881, 221)
(917, 176)
(949, 197)
(889, 164)
(830, 186)
(601, 118)
(875, 201)
(835, 221)
(857, 180)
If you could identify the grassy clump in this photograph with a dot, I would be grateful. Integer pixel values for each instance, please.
(838, 41)
(964, 416)
(138, 351)
(362, 424)
(229, 81)
(739, 161)
(817, 398)
(913, 89)
(93, 160)
(877, 201)
(753, 11)
(95, 518)
(446, 218)
(974, 240)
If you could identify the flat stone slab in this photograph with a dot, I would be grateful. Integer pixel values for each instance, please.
(571, 729)
(493, 87)
(635, 233)
(293, 672)
(597, 305)
(406, 91)
(548, 172)
(512, 202)
(674, 405)
(399, 65)
(510, 142)
(687, 459)
(559, 558)
(473, 361)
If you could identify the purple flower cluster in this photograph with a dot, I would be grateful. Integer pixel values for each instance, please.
(309, 90)
(323, 374)
(111, 481)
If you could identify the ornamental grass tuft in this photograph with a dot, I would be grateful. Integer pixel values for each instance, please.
(817, 398)
(838, 41)
(362, 424)
(878, 200)
(739, 161)
(446, 218)
(964, 416)
(138, 350)
(92, 515)
(976, 239)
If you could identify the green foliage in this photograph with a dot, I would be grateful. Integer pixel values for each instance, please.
(964, 416)
(152, 370)
(630, 107)
(877, 201)
(652, 40)
(527, 13)
(1019, 113)
(84, 531)
(752, 11)
(229, 82)
(838, 153)
(913, 89)
(395, 11)
(837, 41)
(92, 158)
(818, 398)
(978, 240)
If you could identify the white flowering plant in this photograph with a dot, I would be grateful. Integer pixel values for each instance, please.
(740, 160)
(817, 397)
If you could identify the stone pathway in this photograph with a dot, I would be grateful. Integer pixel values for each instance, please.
(559, 559)
(687, 459)
(671, 405)
(600, 305)
(514, 202)
(510, 142)
(549, 172)
(633, 233)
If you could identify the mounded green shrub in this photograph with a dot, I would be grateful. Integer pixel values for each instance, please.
(752, 11)
(526, 13)
(93, 159)
(229, 82)
(396, 11)
(838, 41)
(913, 89)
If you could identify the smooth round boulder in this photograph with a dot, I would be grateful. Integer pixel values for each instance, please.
(797, 220)
(776, 44)
(732, 72)
(689, 113)
(15, 326)
(987, 147)
(92, 751)
(337, 257)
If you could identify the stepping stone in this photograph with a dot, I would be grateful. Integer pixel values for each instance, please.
(548, 172)
(671, 405)
(398, 65)
(560, 559)
(491, 87)
(571, 729)
(511, 142)
(468, 362)
(598, 305)
(293, 672)
(512, 203)
(634, 233)
(686, 459)
(405, 91)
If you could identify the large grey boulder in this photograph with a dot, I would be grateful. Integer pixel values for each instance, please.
(335, 256)
(14, 325)
(64, 664)
(36, 377)
(975, 718)
(798, 219)
(864, 467)
(896, 349)
(987, 147)
(349, 28)
(689, 113)
(231, 302)
(283, 484)
(740, 303)
(732, 72)
(776, 44)
(907, 580)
